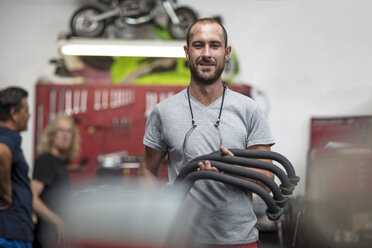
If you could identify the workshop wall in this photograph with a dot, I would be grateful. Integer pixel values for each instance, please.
(309, 58)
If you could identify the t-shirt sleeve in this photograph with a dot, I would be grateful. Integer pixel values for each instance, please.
(259, 130)
(154, 132)
(43, 170)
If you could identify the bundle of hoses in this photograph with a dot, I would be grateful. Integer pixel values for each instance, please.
(233, 175)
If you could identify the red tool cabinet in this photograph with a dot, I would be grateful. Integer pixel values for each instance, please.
(339, 163)
(110, 118)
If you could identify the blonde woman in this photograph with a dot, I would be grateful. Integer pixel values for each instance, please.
(59, 143)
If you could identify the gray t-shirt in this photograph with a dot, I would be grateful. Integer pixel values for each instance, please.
(225, 215)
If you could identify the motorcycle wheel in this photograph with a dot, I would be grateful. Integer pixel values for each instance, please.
(81, 25)
(187, 17)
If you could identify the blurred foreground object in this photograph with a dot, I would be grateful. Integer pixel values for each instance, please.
(337, 208)
(117, 214)
(124, 215)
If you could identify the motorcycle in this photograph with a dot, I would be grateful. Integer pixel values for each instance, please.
(91, 21)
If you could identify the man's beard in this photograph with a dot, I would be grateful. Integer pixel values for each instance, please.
(206, 80)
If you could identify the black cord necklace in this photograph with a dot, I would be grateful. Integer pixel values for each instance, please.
(216, 124)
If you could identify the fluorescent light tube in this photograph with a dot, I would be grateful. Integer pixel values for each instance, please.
(137, 48)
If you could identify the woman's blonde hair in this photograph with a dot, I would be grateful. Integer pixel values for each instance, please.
(46, 139)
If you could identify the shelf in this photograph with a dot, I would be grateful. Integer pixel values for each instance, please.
(121, 47)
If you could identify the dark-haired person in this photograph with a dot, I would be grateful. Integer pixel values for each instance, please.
(205, 117)
(16, 225)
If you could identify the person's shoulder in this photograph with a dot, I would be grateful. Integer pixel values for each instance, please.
(44, 157)
(45, 162)
(172, 101)
(10, 138)
(241, 98)
(4, 151)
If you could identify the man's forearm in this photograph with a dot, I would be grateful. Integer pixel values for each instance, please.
(146, 176)
(265, 172)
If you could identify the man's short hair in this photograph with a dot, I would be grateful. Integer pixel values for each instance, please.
(11, 98)
(206, 20)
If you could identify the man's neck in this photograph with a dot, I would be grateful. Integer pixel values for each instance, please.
(206, 94)
(8, 124)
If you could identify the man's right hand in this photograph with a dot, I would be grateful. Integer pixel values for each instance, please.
(207, 164)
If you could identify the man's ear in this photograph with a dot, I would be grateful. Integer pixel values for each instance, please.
(13, 114)
(186, 49)
(227, 52)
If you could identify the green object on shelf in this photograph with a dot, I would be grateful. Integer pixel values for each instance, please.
(161, 71)
(150, 71)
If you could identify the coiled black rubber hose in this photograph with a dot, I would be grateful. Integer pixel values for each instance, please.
(273, 211)
(293, 178)
(279, 199)
(286, 187)
(247, 158)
